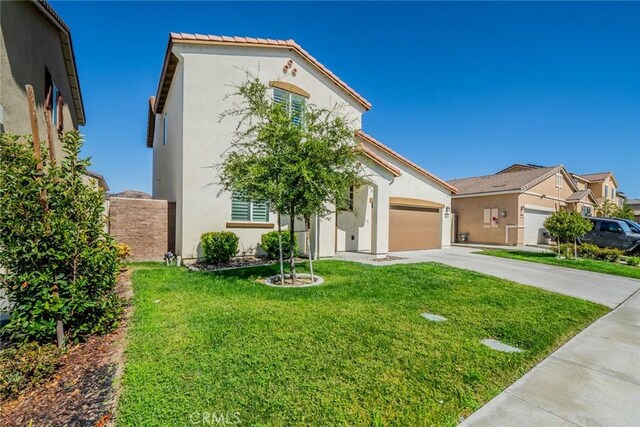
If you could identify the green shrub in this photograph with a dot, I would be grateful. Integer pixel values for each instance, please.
(610, 254)
(219, 246)
(269, 243)
(589, 251)
(61, 244)
(633, 261)
(26, 365)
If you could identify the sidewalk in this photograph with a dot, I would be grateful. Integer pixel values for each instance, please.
(593, 380)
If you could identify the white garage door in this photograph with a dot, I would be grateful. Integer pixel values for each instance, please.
(533, 222)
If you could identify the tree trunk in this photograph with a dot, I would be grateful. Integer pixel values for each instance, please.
(292, 235)
(307, 223)
(575, 249)
(281, 257)
(558, 245)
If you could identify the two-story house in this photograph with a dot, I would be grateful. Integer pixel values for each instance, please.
(402, 207)
(510, 207)
(603, 185)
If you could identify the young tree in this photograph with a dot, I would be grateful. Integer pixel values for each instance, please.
(626, 212)
(300, 165)
(607, 209)
(567, 226)
(61, 264)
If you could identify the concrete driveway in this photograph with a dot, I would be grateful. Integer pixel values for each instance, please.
(601, 288)
(592, 380)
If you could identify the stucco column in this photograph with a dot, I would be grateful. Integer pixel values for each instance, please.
(380, 220)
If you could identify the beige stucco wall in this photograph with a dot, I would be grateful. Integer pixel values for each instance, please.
(597, 188)
(470, 211)
(206, 74)
(29, 43)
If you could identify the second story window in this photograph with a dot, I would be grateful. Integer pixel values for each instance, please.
(559, 180)
(293, 103)
(606, 191)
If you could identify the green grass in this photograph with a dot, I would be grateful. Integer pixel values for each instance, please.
(354, 351)
(580, 264)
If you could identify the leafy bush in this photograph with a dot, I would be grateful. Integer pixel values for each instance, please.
(633, 261)
(589, 251)
(610, 254)
(124, 251)
(60, 244)
(26, 365)
(219, 246)
(269, 243)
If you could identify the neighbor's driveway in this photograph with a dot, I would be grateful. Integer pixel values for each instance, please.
(592, 380)
(604, 289)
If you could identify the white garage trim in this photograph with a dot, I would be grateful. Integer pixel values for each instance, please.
(539, 208)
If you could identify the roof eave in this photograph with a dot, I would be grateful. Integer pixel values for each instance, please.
(69, 57)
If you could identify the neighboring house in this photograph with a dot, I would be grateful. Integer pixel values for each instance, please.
(510, 207)
(603, 185)
(402, 207)
(36, 49)
(635, 205)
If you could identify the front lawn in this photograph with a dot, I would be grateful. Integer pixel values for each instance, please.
(581, 264)
(354, 351)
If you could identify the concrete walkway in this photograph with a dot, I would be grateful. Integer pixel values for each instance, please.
(592, 380)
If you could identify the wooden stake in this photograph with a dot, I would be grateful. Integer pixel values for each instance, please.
(33, 115)
(50, 138)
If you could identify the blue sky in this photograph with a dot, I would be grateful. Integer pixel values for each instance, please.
(462, 89)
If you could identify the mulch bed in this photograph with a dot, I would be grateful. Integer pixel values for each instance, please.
(238, 262)
(81, 392)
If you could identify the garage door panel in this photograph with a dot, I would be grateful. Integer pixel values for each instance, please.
(533, 222)
(413, 228)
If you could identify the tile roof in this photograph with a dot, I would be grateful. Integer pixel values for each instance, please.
(249, 42)
(513, 181)
(595, 177)
(380, 161)
(371, 140)
(579, 195)
(69, 57)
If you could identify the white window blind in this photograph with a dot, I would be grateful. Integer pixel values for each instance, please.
(245, 210)
(292, 102)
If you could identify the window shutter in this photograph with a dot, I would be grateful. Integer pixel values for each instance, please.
(260, 212)
(487, 217)
(239, 208)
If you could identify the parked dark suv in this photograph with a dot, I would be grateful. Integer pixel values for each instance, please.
(612, 233)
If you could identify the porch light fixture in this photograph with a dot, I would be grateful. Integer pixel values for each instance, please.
(447, 211)
(522, 211)
(503, 214)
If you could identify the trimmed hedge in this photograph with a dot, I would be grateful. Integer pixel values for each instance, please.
(219, 247)
(269, 243)
(589, 251)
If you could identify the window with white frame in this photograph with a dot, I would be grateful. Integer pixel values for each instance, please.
(586, 211)
(559, 180)
(246, 210)
(490, 217)
(606, 191)
(293, 103)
